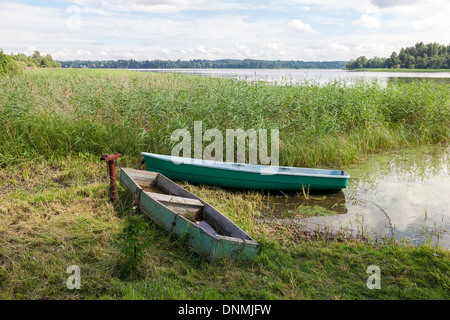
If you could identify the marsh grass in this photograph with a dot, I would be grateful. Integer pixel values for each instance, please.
(55, 210)
(55, 113)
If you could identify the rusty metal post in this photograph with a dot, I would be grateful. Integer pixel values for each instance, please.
(111, 161)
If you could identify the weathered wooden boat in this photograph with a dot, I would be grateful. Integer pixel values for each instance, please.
(246, 176)
(166, 203)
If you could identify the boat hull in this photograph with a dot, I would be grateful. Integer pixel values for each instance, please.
(215, 237)
(246, 176)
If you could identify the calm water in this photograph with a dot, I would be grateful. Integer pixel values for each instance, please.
(402, 194)
(300, 75)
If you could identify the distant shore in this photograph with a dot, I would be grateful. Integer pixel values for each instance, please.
(398, 70)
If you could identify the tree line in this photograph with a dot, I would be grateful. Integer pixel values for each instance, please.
(13, 63)
(36, 60)
(204, 64)
(420, 56)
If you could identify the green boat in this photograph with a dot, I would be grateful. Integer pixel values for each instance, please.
(166, 203)
(245, 176)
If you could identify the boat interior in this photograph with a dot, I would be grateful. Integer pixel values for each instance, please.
(182, 202)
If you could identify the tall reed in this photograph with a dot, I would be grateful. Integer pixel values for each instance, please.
(53, 113)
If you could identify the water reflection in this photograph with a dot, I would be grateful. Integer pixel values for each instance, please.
(300, 205)
(402, 194)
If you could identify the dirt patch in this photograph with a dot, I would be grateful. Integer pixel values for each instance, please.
(295, 233)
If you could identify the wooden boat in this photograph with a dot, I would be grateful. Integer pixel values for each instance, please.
(209, 232)
(246, 176)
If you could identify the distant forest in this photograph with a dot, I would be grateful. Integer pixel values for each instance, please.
(204, 64)
(420, 56)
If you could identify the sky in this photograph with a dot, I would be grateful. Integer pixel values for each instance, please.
(308, 30)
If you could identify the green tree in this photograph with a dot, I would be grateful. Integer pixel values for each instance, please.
(360, 62)
(420, 48)
(48, 62)
(8, 65)
(36, 58)
(410, 62)
(393, 61)
(421, 56)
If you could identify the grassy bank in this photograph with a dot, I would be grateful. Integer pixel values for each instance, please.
(55, 212)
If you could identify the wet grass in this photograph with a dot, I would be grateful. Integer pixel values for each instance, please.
(55, 212)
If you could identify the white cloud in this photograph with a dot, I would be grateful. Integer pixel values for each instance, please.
(359, 5)
(367, 21)
(206, 29)
(300, 27)
(201, 49)
(428, 17)
(160, 6)
(392, 3)
(276, 46)
(70, 54)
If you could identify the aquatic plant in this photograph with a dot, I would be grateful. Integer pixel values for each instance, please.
(55, 113)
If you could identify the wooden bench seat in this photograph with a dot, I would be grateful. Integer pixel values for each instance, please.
(181, 205)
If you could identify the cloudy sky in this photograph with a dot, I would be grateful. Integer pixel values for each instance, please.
(310, 30)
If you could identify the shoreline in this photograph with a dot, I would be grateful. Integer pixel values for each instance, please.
(400, 70)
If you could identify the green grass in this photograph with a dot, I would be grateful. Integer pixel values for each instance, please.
(40, 239)
(55, 113)
(55, 211)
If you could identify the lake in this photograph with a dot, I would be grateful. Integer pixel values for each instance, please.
(299, 75)
(401, 194)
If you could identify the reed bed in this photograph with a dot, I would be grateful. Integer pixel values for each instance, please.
(55, 113)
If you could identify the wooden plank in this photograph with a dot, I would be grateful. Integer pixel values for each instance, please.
(144, 183)
(191, 209)
(137, 179)
(175, 199)
(140, 173)
(154, 189)
(190, 213)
